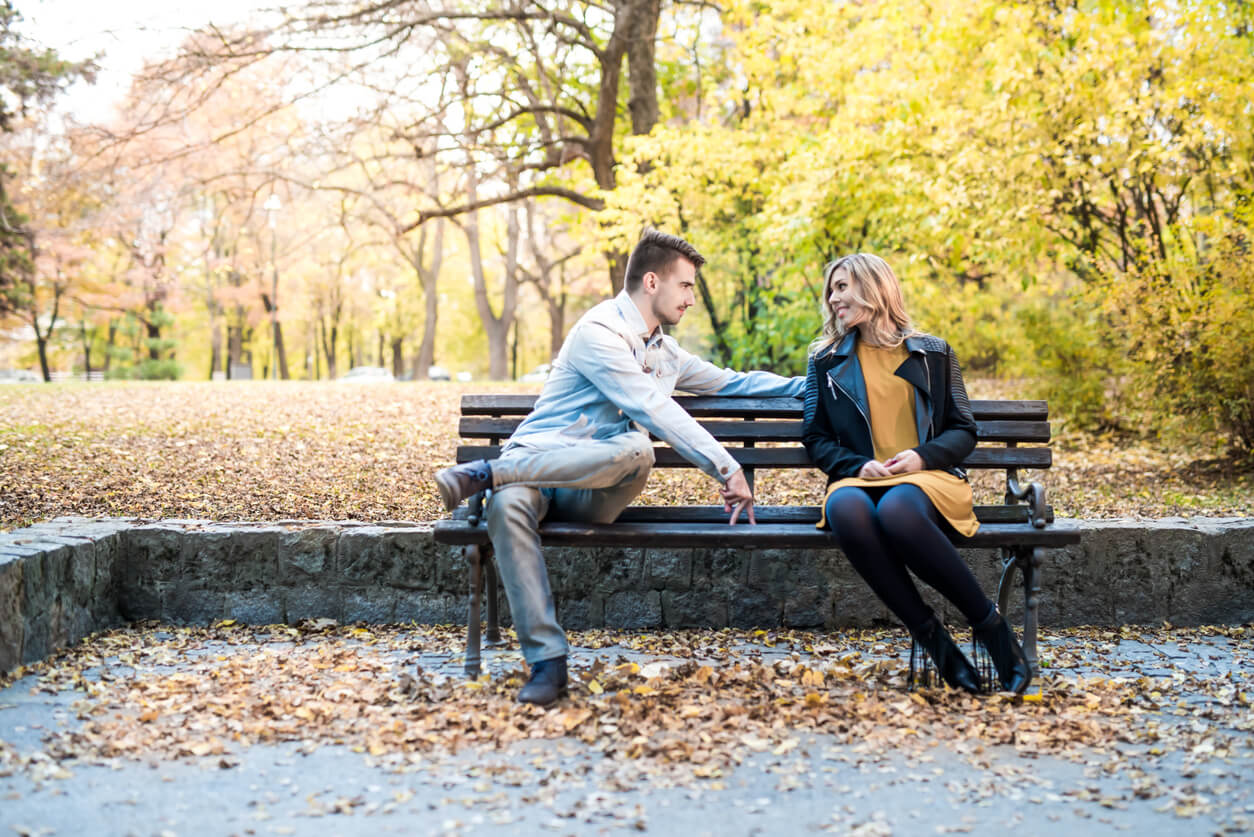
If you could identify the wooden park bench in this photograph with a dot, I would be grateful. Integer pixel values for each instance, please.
(766, 433)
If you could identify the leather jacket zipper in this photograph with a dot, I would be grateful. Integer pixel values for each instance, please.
(927, 371)
(833, 386)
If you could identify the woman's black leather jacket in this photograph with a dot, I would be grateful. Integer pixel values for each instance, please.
(836, 427)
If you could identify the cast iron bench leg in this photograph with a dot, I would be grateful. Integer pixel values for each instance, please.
(475, 557)
(489, 580)
(1031, 564)
(1009, 563)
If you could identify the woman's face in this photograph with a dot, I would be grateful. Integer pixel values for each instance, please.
(841, 298)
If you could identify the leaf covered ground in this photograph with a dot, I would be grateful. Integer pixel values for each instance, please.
(680, 709)
(293, 450)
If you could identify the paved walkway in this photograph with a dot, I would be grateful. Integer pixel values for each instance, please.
(568, 786)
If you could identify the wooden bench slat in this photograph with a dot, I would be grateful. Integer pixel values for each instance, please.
(479, 427)
(792, 514)
(773, 536)
(706, 406)
(796, 457)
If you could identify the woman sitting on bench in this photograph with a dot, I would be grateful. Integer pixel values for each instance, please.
(887, 419)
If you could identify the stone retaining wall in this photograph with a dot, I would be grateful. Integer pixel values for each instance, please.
(63, 579)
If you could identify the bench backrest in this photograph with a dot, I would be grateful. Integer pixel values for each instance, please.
(742, 424)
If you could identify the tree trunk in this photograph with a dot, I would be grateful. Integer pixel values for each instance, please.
(234, 348)
(429, 277)
(281, 351)
(641, 65)
(215, 347)
(557, 324)
(41, 341)
(154, 339)
(720, 339)
(398, 357)
(86, 338)
(110, 344)
(496, 327)
(635, 35)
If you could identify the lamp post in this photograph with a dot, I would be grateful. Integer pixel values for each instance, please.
(272, 207)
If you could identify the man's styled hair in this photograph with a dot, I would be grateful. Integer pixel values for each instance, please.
(655, 253)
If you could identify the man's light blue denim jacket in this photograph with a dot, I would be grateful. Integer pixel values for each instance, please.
(612, 374)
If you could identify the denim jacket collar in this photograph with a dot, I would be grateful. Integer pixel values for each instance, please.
(635, 322)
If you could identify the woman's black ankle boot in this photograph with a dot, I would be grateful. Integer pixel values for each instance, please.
(952, 665)
(998, 638)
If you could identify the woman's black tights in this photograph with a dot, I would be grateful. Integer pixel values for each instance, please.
(902, 529)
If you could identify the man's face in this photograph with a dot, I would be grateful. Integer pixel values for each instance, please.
(675, 292)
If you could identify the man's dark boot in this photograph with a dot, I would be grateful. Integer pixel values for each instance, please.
(998, 638)
(952, 665)
(547, 683)
(462, 481)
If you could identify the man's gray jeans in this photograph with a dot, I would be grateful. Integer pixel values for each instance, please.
(587, 480)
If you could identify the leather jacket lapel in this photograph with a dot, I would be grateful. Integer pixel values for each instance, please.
(846, 375)
(914, 369)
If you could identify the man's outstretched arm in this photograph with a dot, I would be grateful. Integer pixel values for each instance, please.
(701, 377)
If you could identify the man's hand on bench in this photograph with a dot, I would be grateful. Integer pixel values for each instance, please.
(738, 497)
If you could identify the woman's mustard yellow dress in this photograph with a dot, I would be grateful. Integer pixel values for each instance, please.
(893, 430)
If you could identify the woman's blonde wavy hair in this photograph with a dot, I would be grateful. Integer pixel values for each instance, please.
(874, 286)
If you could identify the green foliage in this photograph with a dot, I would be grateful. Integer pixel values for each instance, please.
(1060, 188)
(1190, 330)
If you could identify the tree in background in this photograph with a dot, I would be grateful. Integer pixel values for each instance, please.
(30, 79)
(1071, 173)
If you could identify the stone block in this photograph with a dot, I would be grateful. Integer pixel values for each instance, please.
(1215, 583)
(12, 614)
(807, 607)
(37, 637)
(83, 574)
(750, 608)
(140, 601)
(306, 555)
(190, 606)
(403, 558)
(668, 569)
(422, 608)
(634, 609)
(1233, 567)
(81, 622)
(105, 581)
(450, 568)
(414, 559)
(457, 611)
(230, 558)
(311, 603)
(151, 554)
(580, 614)
(373, 605)
(722, 569)
(618, 570)
(694, 609)
(255, 607)
(38, 587)
(57, 616)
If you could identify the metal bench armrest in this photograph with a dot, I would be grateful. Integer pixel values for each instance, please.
(1033, 493)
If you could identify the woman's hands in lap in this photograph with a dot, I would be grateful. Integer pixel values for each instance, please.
(906, 462)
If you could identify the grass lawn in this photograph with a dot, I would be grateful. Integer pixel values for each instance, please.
(268, 451)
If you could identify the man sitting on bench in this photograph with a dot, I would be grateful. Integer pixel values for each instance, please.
(583, 453)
